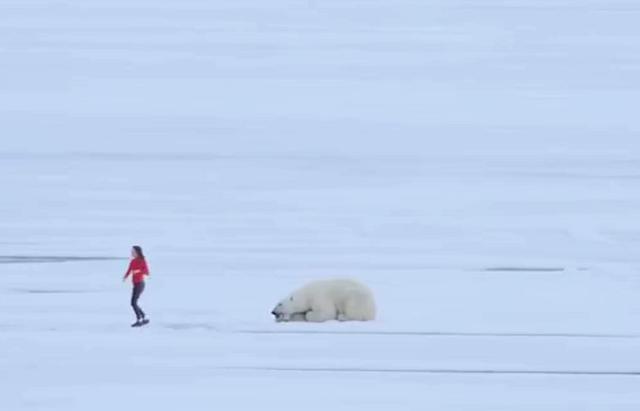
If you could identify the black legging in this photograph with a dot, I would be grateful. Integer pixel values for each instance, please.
(135, 295)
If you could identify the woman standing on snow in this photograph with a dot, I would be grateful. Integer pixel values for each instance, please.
(138, 268)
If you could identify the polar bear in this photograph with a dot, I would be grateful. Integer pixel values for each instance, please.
(335, 299)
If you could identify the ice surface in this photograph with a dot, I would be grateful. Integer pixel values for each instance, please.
(477, 163)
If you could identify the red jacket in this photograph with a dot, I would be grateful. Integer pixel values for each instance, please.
(138, 267)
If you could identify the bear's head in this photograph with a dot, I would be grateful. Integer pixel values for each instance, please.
(290, 307)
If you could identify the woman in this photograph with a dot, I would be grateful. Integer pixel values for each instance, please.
(138, 268)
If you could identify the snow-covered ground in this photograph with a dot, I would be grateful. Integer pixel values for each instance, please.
(477, 163)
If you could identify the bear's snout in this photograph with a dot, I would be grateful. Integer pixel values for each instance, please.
(276, 310)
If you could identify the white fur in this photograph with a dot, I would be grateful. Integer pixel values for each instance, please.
(324, 300)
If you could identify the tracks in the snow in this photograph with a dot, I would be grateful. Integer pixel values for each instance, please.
(525, 371)
(442, 334)
(32, 259)
(576, 373)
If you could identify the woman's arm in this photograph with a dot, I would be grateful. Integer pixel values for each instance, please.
(128, 272)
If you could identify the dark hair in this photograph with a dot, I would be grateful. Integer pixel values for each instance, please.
(138, 251)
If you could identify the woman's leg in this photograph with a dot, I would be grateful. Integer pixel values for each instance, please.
(135, 295)
(134, 300)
